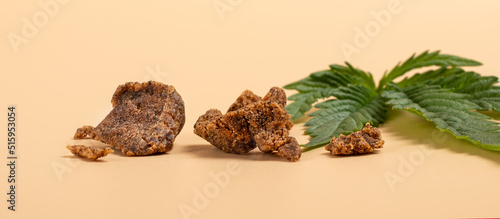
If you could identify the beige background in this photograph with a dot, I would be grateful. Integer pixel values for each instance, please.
(65, 74)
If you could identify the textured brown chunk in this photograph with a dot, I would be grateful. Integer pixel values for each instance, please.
(251, 122)
(89, 152)
(84, 132)
(246, 98)
(359, 142)
(145, 119)
(291, 149)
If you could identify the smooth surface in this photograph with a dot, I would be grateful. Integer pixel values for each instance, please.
(64, 75)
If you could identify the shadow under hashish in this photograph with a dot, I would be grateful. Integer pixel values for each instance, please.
(83, 159)
(211, 152)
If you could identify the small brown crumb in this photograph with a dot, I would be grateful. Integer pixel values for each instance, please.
(246, 98)
(89, 152)
(84, 132)
(359, 142)
(251, 122)
(291, 149)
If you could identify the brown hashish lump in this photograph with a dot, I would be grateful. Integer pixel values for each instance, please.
(145, 119)
(84, 132)
(89, 152)
(251, 122)
(359, 142)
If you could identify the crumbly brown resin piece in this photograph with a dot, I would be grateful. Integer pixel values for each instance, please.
(84, 132)
(145, 119)
(251, 122)
(88, 152)
(360, 142)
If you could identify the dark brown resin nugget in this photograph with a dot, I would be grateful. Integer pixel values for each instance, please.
(145, 119)
(251, 122)
(359, 142)
(89, 152)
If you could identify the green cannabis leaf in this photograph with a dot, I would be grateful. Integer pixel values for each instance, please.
(449, 111)
(449, 97)
(354, 107)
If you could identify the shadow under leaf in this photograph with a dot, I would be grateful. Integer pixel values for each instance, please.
(405, 125)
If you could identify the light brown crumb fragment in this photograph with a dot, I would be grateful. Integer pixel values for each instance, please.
(359, 142)
(89, 152)
(83, 132)
(290, 150)
(251, 122)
